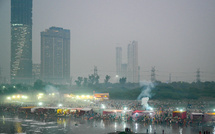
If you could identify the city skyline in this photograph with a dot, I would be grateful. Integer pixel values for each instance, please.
(175, 37)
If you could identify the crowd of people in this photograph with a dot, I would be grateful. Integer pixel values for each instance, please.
(162, 111)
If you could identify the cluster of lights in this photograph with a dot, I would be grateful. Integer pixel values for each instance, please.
(83, 96)
(17, 97)
(52, 94)
(40, 95)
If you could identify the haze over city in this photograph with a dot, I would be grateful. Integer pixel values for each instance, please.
(176, 37)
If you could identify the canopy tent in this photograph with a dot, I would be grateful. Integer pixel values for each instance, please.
(111, 111)
(43, 108)
(197, 116)
(138, 113)
(209, 117)
(84, 110)
(181, 114)
(26, 109)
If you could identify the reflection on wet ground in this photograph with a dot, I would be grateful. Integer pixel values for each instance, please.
(31, 125)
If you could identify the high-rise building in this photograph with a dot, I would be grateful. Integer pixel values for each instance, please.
(55, 55)
(132, 66)
(124, 70)
(21, 41)
(36, 71)
(118, 61)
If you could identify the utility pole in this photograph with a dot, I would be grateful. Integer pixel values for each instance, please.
(95, 71)
(153, 79)
(170, 78)
(1, 80)
(198, 75)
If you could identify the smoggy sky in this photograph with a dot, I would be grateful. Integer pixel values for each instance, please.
(176, 37)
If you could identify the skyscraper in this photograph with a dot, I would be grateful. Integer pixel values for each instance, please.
(21, 41)
(118, 61)
(132, 66)
(35, 71)
(124, 70)
(55, 55)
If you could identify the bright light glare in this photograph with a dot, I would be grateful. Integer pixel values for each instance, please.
(8, 98)
(181, 110)
(103, 106)
(13, 96)
(88, 96)
(60, 105)
(18, 96)
(41, 94)
(40, 103)
(214, 109)
(52, 93)
(24, 97)
(117, 76)
(125, 108)
(82, 95)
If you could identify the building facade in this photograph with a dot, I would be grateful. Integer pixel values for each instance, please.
(132, 66)
(55, 55)
(35, 72)
(124, 70)
(21, 41)
(118, 61)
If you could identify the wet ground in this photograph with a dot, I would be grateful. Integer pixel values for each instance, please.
(32, 125)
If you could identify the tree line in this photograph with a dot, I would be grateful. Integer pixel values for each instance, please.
(121, 90)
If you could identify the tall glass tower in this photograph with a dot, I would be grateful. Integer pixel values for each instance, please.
(118, 61)
(21, 41)
(132, 66)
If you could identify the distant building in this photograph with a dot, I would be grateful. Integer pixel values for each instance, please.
(21, 41)
(118, 61)
(55, 55)
(132, 66)
(124, 70)
(36, 72)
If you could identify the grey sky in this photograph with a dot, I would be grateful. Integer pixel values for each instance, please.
(174, 36)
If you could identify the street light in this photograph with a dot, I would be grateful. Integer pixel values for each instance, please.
(40, 103)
